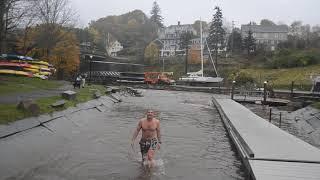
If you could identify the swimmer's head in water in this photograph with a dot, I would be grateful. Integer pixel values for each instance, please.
(150, 114)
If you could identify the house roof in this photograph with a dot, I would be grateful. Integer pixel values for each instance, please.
(260, 28)
(181, 25)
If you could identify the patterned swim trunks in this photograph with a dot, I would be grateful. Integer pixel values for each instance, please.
(146, 144)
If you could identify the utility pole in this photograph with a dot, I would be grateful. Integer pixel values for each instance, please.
(232, 38)
(201, 47)
(186, 63)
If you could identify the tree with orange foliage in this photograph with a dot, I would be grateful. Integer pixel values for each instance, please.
(151, 54)
(26, 42)
(194, 56)
(65, 56)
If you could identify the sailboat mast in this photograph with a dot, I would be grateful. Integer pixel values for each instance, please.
(201, 47)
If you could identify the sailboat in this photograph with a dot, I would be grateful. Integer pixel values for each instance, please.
(198, 76)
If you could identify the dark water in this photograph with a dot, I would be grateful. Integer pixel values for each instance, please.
(94, 145)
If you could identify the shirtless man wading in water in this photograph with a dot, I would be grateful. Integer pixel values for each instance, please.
(151, 138)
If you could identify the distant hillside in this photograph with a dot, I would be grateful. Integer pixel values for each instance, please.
(133, 30)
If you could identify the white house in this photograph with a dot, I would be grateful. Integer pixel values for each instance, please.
(170, 38)
(113, 48)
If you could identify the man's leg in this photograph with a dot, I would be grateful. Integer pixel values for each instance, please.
(143, 151)
(150, 158)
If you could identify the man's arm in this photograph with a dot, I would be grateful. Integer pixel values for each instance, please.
(158, 132)
(136, 131)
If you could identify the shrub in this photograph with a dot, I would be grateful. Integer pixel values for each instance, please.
(288, 59)
(244, 78)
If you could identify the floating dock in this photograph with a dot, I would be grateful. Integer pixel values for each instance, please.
(267, 151)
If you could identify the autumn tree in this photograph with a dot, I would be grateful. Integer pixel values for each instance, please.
(155, 15)
(134, 30)
(216, 32)
(194, 56)
(52, 39)
(26, 43)
(151, 53)
(52, 15)
(96, 38)
(65, 55)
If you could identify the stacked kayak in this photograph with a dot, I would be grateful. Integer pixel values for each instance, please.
(25, 66)
(13, 72)
(14, 68)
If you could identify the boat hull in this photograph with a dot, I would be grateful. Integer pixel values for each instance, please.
(202, 79)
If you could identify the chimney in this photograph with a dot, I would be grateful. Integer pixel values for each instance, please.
(178, 23)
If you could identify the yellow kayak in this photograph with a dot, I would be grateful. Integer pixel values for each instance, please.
(45, 73)
(13, 72)
(31, 70)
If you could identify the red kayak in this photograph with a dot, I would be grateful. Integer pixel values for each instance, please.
(9, 64)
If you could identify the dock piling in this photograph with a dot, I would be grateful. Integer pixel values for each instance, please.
(270, 115)
(292, 85)
(280, 120)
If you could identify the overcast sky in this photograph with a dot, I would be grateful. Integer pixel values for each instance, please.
(187, 11)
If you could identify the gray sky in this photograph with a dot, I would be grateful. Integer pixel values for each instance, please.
(187, 11)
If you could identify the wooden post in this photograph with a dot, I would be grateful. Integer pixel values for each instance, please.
(265, 92)
(292, 84)
(270, 115)
(280, 120)
(232, 90)
(90, 69)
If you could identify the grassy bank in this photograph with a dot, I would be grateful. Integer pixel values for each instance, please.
(282, 78)
(9, 113)
(15, 84)
(279, 78)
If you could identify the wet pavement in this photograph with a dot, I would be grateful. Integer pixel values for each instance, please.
(90, 144)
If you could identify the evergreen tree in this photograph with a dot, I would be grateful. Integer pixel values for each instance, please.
(249, 43)
(267, 22)
(155, 15)
(216, 33)
(235, 41)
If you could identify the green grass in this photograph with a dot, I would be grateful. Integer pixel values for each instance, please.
(15, 84)
(282, 78)
(316, 105)
(9, 113)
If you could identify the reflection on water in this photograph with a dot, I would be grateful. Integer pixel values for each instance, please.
(195, 144)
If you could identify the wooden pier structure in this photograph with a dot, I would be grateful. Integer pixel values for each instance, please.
(267, 151)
